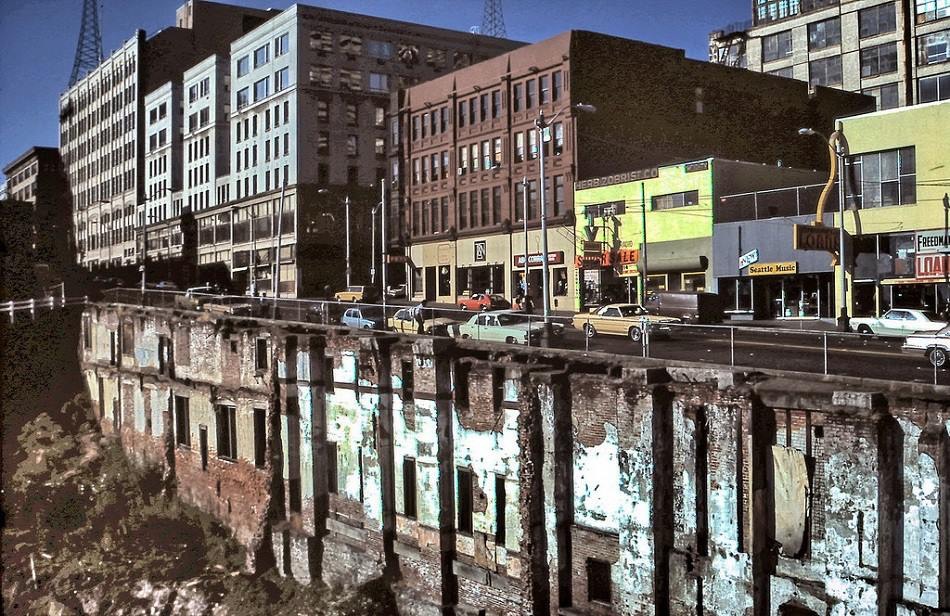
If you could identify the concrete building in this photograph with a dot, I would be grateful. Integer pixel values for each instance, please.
(36, 177)
(103, 124)
(163, 160)
(483, 479)
(680, 206)
(206, 134)
(894, 50)
(309, 97)
(468, 141)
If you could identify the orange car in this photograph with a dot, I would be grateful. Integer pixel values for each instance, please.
(484, 301)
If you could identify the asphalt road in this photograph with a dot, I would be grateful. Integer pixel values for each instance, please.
(762, 347)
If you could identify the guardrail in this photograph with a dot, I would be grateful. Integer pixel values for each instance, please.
(34, 304)
(749, 347)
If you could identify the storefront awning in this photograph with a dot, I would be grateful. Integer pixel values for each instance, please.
(679, 256)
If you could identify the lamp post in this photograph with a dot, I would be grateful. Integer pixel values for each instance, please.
(346, 204)
(542, 123)
(837, 152)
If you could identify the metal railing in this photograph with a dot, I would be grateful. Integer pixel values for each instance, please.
(819, 351)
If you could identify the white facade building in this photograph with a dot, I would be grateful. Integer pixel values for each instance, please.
(206, 133)
(163, 160)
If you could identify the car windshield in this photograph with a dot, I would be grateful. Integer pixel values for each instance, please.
(930, 316)
(372, 314)
(512, 319)
(631, 311)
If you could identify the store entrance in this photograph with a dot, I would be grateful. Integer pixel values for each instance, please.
(798, 297)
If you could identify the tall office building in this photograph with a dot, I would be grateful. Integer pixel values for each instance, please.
(103, 125)
(896, 50)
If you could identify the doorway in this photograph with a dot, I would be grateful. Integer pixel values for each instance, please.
(203, 444)
(430, 283)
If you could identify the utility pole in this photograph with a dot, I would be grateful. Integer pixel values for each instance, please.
(384, 252)
(347, 206)
(524, 216)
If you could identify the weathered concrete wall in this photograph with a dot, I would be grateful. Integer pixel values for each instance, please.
(598, 484)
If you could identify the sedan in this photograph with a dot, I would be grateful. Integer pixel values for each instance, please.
(404, 323)
(935, 347)
(898, 322)
(363, 318)
(506, 326)
(483, 301)
(622, 320)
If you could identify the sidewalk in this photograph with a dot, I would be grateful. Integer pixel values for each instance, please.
(809, 324)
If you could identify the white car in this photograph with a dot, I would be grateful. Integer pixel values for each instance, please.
(507, 326)
(935, 347)
(898, 322)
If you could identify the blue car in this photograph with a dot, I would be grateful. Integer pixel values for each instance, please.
(363, 318)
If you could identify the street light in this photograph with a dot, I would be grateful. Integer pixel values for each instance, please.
(836, 150)
(542, 124)
(346, 203)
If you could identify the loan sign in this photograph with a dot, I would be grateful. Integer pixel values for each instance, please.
(814, 237)
(933, 265)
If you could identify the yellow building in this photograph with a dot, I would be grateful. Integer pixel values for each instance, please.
(897, 177)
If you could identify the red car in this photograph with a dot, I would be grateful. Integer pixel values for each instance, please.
(483, 301)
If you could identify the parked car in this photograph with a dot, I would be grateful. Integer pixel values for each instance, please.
(483, 301)
(691, 307)
(935, 347)
(507, 326)
(403, 323)
(622, 320)
(898, 322)
(363, 318)
(357, 293)
(396, 290)
(162, 285)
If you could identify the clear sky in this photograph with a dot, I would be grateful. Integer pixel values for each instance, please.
(38, 38)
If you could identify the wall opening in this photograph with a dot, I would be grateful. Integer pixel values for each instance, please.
(260, 438)
(408, 384)
(500, 505)
(182, 422)
(598, 580)
(203, 444)
(260, 354)
(226, 432)
(464, 481)
(328, 379)
(333, 486)
(409, 487)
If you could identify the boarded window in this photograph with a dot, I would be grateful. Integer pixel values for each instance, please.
(464, 476)
(791, 495)
(409, 487)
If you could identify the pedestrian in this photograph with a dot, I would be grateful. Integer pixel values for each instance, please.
(419, 316)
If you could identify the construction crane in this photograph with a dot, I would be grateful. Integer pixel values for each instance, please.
(89, 47)
(493, 21)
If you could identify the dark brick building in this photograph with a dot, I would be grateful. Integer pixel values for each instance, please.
(467, 141)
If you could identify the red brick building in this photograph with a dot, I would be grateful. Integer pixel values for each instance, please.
(467, 142)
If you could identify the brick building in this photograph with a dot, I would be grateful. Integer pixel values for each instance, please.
(479, 479)
(896, 51)
(467, 142)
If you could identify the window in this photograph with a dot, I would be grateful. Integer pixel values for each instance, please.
(558, 138)
(193, 93)
(416, 171)
(281, 44)
(260, 56)
(879, 60)
(544, 89)
(260, 354)
(486, 155)
(409, 487)
(886, 95)
(598, 580)
(379, 146)
(332, 474)
(557, 85)
(352, 114)
(483, 107)
(933, 48)
(463, 113)
(464, 481)
(936, 88)
(824, 34)
(379, 117)
(379, 49)
(500, 505)
(877, 20)
(667, 202)
(530, 93)
(321, 75)
(558, 195)
(227, 431)
(321, 41)
(352, 80)
(352, 145)
(776, 46)
(788, 72)
(379, 82)
(517, 96)
(463, 160)
(825, 72)
(495, 104)
(929, 10)
(182, 422)
(463, 210)
(243, 66)
(473, 157)
(496, 155)
(532, 144)
(243, 98)
(281, 79)
(260, 89)
(445, 164)
(351, 44)
(881, 179)
(472, 110)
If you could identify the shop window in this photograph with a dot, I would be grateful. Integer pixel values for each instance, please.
(598, 580)
(656, 283)
(695, 282)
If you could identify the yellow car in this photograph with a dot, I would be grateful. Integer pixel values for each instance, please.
(622, 320)
(356, 293)
(403, 323)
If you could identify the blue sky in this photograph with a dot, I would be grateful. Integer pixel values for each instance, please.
(38, 38)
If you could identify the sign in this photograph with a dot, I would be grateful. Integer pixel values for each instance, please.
(625, 270)
(619, 178)
(749, 258)
(534, 259)
(397, 259)
(445, 254)
(815, 237)
(773, 269)
(931, 242)
(481, 250)
(694, 167)
(590, 232)
(932, 265)
(628, 255)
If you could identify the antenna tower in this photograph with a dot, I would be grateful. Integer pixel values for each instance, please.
(89, 47)
(493, 21)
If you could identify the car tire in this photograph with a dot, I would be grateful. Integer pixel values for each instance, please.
(864, 330)
(367, 327)
(937, 357)
(463, 307)
(510, 340)
(484, 308)
(464, 336)
(635, 333)
(589, 330)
